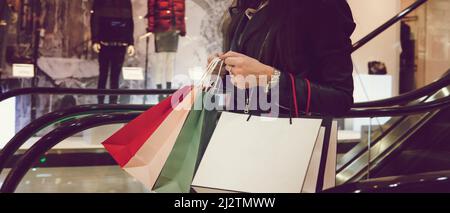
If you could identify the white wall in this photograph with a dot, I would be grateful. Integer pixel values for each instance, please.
(369, 14)
(437, 52)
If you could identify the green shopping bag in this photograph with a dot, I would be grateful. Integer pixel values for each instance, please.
(179, 169)
(210, 119)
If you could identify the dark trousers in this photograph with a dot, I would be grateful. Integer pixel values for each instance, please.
(5, 16)
(111, 60)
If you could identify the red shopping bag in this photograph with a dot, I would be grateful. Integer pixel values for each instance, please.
(126, 142)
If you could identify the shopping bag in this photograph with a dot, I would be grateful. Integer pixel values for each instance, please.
(321, 173)
(209, 125)
(331, 159)
(124, 144)
(142, 147)
(149, 160)
(177, 174)
(261, 155)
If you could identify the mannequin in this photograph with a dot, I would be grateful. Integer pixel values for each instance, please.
(112, 29)
(166, 19)
(5, 16)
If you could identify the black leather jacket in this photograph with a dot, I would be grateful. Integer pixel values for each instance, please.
(112, 21)
(323, 54)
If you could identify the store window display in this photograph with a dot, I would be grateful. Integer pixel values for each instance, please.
(166, 19)
(5, 19)
(112, 29)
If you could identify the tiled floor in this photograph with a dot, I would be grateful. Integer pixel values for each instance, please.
(78, 180)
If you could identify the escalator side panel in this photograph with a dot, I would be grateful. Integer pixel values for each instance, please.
(396, 139)
(357, 169)
(427, 150)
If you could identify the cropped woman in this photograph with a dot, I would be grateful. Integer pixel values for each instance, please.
(305, 43)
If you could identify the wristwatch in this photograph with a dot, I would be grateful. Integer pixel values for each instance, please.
(274, 80)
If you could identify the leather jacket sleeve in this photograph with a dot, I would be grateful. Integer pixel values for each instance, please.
(330, 48)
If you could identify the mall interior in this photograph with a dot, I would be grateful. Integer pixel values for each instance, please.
(57, 105)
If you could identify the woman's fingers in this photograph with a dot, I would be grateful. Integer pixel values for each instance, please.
(233, 61)
(236, 71)
(229, 68)
(212, 57)
(230, 54)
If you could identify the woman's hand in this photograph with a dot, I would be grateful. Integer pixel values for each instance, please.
(217, 71)
(242, 67)
(211, 57)
(240, 64)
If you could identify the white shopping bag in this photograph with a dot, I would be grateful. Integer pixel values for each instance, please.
(323, 157)
(262, 155)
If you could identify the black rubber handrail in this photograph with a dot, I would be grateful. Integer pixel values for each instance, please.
(72, 91)
(55, 137)
(35, 126)
(398, 100)
(399, 110)
(410, 96)
(387, 25)
(21, 137)
(70, 128)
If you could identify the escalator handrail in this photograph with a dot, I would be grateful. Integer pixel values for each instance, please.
(55, 137)
(70, 128)
(400, 110)
(410, 96)
(35, 126)
(27, 132)
(73, 91)
(387, 25)
(398, 100)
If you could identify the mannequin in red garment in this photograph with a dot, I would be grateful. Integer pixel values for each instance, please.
(166, 19)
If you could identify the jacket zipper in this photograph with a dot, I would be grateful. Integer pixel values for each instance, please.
(239, 40)
(247, 101)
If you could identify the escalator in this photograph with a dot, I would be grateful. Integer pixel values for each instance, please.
(416, 116)
(415, 159)
(400, 142)
(426, 150)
